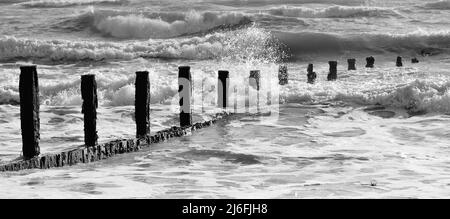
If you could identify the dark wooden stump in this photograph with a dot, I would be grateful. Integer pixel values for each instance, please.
(311, 74)
(332, 75)
(414, 60)
(29, 111)
(351, 64)
(399, 62)
(254, 77)
(370, 62)
(89, 109)
(185, 92)
(222, 91)
(142, 104)
(283, 77)
(254, 81)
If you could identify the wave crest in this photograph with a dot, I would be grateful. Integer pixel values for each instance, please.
(333, 12)
(123, 25)
(67, 3)
(240, 45)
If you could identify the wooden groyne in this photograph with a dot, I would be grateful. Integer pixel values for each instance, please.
(91, 151)
(106, 150)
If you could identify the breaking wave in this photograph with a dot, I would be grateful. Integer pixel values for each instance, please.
(417, 96)
(241, 45)
(333, 12)
(440, 5)
(123, 25)
(67, 3)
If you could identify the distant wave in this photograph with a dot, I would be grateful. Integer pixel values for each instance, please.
(333, 12)
(305, 43)
(123, 25)
(66, 3)
(440, 5)
(11, 1)
(240, 45)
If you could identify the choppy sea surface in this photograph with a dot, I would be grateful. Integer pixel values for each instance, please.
(373, 133)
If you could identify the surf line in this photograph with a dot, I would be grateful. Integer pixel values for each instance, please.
(91, 151)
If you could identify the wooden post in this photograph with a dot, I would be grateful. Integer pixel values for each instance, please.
(185, 92)
(254, 77)
(222, 91)
(283, 75)
(142, 104)
(235, 98)
(351, 64)
(29, 111)
(399, 61)
(414, 60)
(254, 81)
(332, 75)
(370, 62)
(311, 74)
(89, 109)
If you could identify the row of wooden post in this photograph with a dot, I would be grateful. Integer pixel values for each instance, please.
(332, 75)
(29, 104)
(29, 100)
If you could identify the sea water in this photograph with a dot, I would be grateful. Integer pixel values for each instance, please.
(380, 132)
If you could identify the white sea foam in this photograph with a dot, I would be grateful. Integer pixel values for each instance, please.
(333, 12)
(145, 25)
(66, 3)
(243, 44)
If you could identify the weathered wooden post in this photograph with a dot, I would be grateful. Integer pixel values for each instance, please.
(370, 62)
(351, 64)
(185, 92)
(222, 90)
(311, 74)
(283, 75)
(414, 60)
(254, 77)
(254, 81)
(399, 61)
(142, 104)
(332, 75)
(89, 108)
(29, 111)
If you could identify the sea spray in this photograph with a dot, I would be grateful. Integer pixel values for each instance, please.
(248, 43)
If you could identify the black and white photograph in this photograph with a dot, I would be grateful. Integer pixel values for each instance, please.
(224, 100)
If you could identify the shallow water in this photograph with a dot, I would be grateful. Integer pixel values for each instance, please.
(309, 152)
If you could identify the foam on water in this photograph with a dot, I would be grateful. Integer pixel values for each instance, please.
(333, 12)
(248, 43)
(67, 3)
(138, 26)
